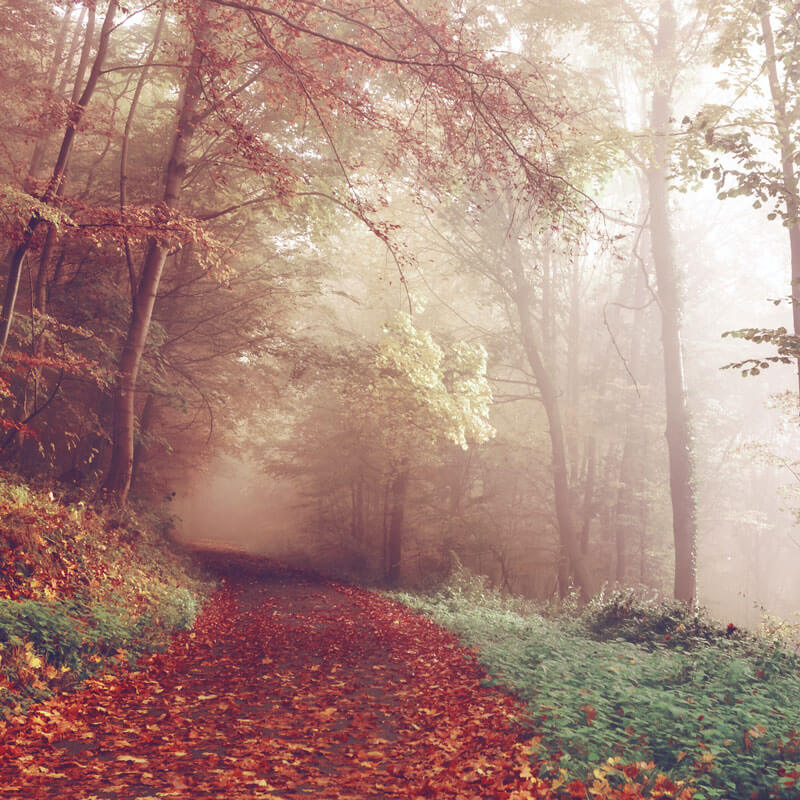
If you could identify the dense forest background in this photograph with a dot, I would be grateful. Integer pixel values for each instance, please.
(373, 285)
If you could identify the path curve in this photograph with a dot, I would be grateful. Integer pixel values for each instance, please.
(288, 687)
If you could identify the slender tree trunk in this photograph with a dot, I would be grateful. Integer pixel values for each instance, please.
(572, 389)
(678, 433)
(549, 398)
(357, 518)
(397, 524)
(588, 493)
(54, 184)
(40, 285)
(386, 509)
(635, 294)
(140, 450)
(118, 479)
(42, 140)
(126, 136)
(623, 509)
(787, 155)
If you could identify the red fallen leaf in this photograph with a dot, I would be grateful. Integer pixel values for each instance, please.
(632, 770)
(577, 789)
(591, 713)
(240, 703)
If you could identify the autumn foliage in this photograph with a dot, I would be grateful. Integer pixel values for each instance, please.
(289, 683)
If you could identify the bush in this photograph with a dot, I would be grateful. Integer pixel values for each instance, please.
(82, 587)
(52, 631)
(649, 621)
(177, 609)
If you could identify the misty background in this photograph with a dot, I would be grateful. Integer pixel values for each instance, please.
(382, 353)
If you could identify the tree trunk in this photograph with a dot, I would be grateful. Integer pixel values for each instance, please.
(787, 155)
(140, 450)
(42, 140)
(634, 293)
(54, 184)
(678, 432)
(357, 518)
(549, 398)
(118, 479)
(126, 137)
(588, 493)
(397, 525)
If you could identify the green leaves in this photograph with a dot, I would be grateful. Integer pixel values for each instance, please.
(719, 712)
(420, 392)
(786, 345)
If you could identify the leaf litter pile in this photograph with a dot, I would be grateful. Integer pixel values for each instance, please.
(287, 686)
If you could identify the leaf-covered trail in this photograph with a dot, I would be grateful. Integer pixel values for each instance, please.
(288, 687)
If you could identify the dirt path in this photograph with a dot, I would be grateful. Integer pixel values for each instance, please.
(288, 687)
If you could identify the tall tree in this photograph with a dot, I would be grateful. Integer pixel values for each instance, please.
(120, 470)
(480, 130)
(756, 133)
(678, 433)
(54, 184)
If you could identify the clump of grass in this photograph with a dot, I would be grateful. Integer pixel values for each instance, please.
(639, 681)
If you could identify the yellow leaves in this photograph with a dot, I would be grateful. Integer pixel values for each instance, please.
(599, 788)
(30, 658)
(562, 778)
(757, 732)
(133, 759)
(424, 391)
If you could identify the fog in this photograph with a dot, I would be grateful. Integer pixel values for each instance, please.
(410, 312)
(744, 440)
(231, 505)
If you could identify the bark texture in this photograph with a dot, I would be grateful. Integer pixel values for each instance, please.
(56, 179)
(678, 432)
(118, 478)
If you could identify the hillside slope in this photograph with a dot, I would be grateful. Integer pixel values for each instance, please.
(82, 590)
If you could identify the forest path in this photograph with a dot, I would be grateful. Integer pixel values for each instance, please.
(288, 687)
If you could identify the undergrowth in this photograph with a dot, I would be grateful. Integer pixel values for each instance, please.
(634, 686)
(82, 589)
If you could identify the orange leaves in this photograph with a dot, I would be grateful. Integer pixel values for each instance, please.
(577, 789)
(291, 687)
(754, 733)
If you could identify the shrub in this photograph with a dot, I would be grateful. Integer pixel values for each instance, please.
(630, 615)
(48, 627)
(177, 609)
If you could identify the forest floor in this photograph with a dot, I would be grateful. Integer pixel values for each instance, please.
(288, 686)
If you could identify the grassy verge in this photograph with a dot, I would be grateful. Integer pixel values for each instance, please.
(82, 590)
(628, 689)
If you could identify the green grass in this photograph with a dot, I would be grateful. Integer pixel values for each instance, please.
(642, 680)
